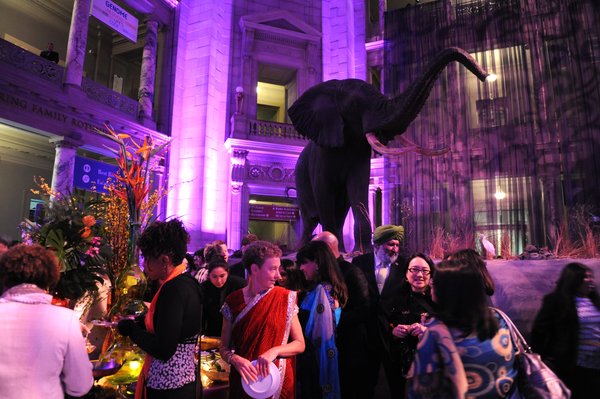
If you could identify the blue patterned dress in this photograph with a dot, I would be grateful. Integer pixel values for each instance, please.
(489, 366)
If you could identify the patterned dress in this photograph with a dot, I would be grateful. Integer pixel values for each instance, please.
(489, 365)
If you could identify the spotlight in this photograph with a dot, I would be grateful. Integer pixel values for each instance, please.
(492, 77)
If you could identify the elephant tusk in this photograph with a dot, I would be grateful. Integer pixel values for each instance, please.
(408, 146)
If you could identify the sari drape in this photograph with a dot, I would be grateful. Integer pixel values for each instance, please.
(320, 330)
(262, 324)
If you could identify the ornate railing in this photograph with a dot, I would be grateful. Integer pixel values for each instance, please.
(109, 97)
(273, 130)
(474, 8)
(25, 61)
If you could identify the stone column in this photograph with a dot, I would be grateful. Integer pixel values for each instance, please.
(235, 220)
(148, 72)
(77, 42)
(64, 165)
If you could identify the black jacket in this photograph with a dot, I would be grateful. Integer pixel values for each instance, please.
(555, 333)
(380, 305)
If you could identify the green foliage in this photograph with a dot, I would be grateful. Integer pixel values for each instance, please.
(72, 226)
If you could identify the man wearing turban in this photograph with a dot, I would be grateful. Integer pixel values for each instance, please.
(383, 271)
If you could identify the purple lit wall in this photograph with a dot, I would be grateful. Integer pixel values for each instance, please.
(198, 169)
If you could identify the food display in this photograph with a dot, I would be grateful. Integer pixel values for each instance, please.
(213, 368)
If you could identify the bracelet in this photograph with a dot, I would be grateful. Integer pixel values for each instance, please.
(228, 356)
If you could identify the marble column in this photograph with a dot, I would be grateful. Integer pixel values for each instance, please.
(148, 72)
(77, 42)
(64, 165)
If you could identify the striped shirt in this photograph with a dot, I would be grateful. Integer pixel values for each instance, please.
(588, 354)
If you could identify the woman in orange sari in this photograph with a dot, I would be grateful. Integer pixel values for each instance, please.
(260, 322)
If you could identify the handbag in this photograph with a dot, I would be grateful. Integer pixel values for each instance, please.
(535, 379)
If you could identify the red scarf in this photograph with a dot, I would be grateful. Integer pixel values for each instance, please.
(140, 391)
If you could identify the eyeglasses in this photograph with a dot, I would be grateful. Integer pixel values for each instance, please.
(416, 270)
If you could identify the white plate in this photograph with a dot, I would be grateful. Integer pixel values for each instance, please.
(266, 387)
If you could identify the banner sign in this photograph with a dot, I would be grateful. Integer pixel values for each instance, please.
(274, 212)
(116, 18)
(92, 175)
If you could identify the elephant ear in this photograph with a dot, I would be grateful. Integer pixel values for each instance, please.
(315, 115)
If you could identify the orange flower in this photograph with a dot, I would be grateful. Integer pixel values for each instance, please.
(89, 221)
(86, 232)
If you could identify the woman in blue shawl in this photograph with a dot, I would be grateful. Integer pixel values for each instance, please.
(320, 310)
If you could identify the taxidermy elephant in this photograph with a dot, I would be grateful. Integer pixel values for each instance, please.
(344, 119)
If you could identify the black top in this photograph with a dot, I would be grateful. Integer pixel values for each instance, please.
(50, 55)
(407, 310)
(214, 298)
(352, 333)
(176, 317)
(555, 334)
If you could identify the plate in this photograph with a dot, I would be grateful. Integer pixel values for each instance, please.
(266, 387)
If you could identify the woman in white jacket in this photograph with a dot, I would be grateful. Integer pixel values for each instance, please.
(43, 352)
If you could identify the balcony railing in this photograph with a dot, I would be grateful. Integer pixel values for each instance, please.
(273, 130)
(23, 60)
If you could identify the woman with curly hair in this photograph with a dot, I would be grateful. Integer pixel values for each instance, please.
(43, 352)
(169, 331)
(320, 312)
(566, 331)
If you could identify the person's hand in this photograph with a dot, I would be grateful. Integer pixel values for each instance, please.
(264, 361)
(401, 331)
(248, 372)
(125, 327)
(417, 329)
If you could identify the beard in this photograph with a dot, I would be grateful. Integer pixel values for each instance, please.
(385, 256)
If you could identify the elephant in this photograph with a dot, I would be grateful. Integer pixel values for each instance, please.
(344, 119)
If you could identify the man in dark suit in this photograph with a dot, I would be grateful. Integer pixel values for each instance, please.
(50, 54)
(351, 338)
(383, 271)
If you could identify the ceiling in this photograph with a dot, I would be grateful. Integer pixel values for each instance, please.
(275, 74)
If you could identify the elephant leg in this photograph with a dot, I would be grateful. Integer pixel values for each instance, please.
(305, 197)
(358, 194)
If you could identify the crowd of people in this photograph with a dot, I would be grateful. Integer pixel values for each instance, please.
(332, 328)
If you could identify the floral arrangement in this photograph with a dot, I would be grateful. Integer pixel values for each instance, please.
(130, 202)
(71, 226)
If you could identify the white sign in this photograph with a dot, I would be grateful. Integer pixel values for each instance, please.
(116, 18)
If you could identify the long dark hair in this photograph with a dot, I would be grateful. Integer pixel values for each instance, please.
(462, 303)
(473, 258)
(328, 268)
(570, 280)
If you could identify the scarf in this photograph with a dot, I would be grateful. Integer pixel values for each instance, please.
(140, 392)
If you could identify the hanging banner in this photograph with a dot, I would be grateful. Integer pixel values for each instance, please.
(116, 18)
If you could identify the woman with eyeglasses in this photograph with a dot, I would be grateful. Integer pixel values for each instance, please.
(412, 307)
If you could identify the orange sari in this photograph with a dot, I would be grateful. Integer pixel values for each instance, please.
(258, 326)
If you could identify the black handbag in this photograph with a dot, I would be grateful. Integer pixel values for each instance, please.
(535, 379)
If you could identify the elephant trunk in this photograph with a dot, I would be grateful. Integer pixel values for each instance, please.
(405, 108)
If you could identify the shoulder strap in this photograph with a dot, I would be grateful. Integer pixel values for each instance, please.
(515, 334)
